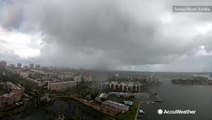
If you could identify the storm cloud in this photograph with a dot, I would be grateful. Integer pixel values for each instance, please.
(114, 34)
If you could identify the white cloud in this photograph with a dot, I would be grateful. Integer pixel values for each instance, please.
(204, 29)
(202, 51)
(20, 44)
(166, 18)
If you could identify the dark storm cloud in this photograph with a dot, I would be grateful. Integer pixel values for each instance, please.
(108, 34)
(104, 26)
(12, 14)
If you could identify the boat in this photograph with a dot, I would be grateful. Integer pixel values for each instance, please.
(141, 111)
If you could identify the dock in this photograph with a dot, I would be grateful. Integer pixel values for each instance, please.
(137, 110)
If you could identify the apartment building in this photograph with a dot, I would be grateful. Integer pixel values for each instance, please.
(14, 95)
(121, 87)
(115, 106)
(61, 85)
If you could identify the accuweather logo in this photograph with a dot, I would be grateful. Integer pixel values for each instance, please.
(183, 112)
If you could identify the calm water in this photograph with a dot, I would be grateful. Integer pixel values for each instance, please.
(193, 97)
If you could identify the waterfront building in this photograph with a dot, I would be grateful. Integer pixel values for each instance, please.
(115, 106)
(130, 103)
(122, 94)
(101, 97)
(121, 87)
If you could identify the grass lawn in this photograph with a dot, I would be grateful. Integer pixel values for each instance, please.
(130, 115)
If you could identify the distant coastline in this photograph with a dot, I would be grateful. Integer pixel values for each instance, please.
(192, 81)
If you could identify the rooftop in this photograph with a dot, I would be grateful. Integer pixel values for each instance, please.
(116, 105)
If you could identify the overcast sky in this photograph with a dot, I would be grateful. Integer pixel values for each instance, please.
(141, 35)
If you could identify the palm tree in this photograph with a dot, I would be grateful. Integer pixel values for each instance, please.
(120, 87)
(134, 88)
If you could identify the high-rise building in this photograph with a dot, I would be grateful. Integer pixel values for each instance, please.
(12, 66)
(31, 66)
(25, 67)
(3, 64)
(37, 67)
(19, 65)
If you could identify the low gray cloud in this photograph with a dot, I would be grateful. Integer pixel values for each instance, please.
(110, 34)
